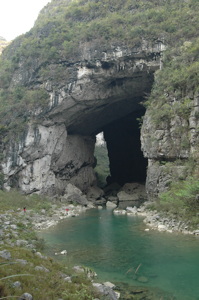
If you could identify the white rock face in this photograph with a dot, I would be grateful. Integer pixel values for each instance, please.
(100, 139)
(48, 158)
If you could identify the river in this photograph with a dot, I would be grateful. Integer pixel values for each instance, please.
(120, 250)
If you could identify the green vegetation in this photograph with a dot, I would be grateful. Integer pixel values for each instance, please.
(56, 41)
(42, 285)
(176, 84)
(181, 201)
(14, 200)
(102, 167)
(63, 26)
(17, 105)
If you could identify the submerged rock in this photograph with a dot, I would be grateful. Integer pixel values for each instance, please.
(142, 279)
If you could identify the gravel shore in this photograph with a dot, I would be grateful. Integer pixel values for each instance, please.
(160, 221)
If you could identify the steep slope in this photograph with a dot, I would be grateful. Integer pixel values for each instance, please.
(3, 44)
(87, 64)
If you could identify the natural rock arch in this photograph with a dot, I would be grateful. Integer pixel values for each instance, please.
(104, 94)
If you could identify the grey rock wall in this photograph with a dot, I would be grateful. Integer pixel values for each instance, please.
(47, 159)
(101, 86)
(89, 93)
(171, 148)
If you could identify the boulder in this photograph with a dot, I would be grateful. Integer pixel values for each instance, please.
(95, 193)
(109, 284)
(72, 189)
(119, 211)
(26, 296)
(5, 254)
(112, 199)
(67, 279)
(40, 255)
(78, 269)
(131, 194)
(105, 291)
(100, 207)
(21, 243)
(22, 261)
(74, 195)
(16, 284)
(41, 268)
(112, 189)
(131, 210)
(77, 199)
(162, 227)
(111, 204)
(102, 201)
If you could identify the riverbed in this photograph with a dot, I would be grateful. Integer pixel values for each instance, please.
(119, 249)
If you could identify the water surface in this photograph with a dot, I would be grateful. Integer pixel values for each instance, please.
(119, 250)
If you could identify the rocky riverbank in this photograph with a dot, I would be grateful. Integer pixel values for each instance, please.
(160, 221)
(18, 232)
(18, 226)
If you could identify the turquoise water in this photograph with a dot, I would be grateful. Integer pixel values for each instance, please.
(119, 250)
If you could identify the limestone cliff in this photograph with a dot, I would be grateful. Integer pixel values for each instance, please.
(84, 68)
(59, 147)
(172, 150)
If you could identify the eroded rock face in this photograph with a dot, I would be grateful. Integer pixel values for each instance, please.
(169, 148)
(47, 159)
(100, 87)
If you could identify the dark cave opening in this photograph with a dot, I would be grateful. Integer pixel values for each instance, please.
(126, 160)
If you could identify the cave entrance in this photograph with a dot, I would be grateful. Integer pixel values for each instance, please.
(114, 109)
(125, 158)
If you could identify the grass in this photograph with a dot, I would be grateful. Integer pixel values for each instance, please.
(181, 201)
(14, 200)
(42, 285)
